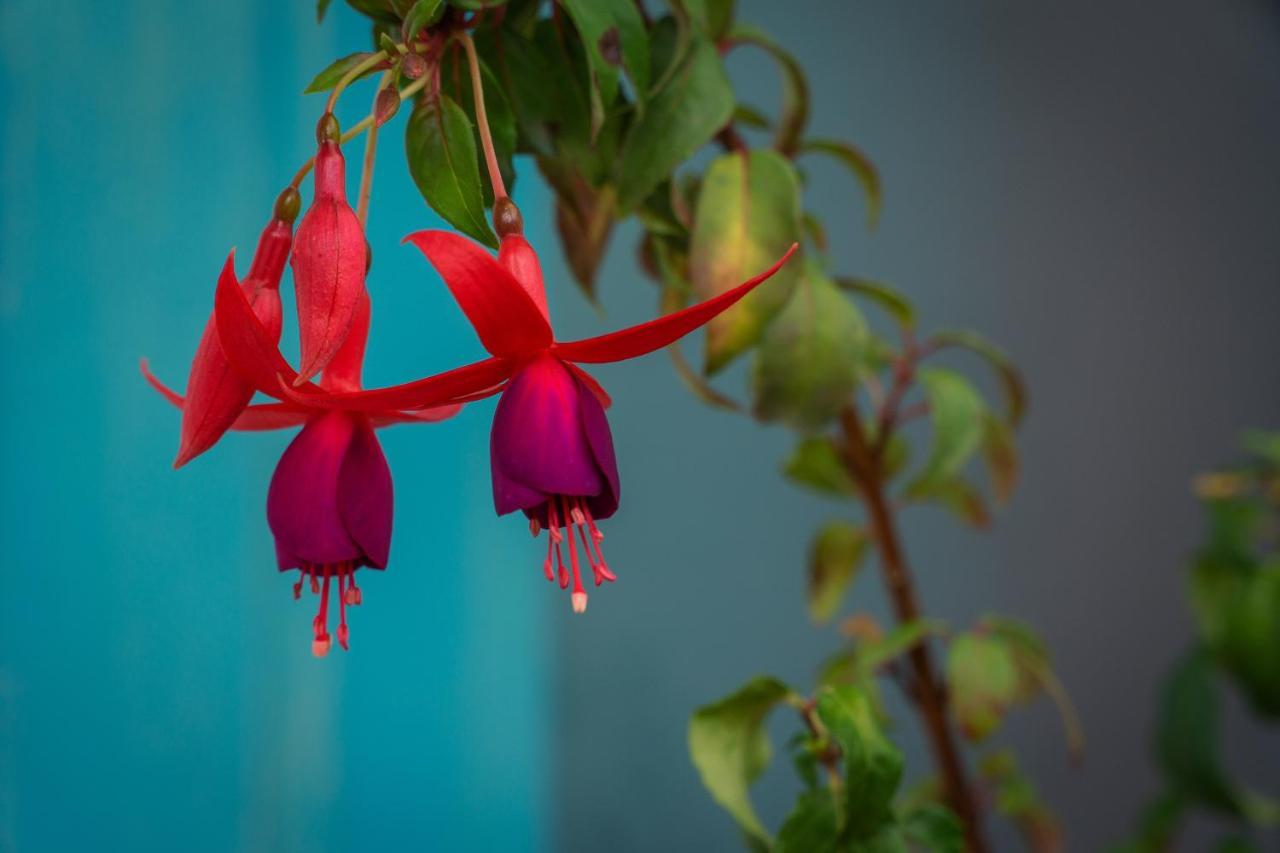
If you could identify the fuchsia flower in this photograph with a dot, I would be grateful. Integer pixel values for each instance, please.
(216, 394)
(330, 501)
(551, 449)
(330, 258)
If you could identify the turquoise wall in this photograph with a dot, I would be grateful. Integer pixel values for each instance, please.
(157, 689)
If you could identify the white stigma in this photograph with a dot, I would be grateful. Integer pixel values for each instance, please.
(579, 600)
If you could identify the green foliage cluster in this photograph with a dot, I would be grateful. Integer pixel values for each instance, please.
(1234, 588)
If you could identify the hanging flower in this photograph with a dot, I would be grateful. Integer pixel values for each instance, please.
(216, 394)
(330, 257)
(551, 449)
(330, 501)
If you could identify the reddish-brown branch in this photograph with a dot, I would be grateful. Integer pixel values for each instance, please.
(864, 464)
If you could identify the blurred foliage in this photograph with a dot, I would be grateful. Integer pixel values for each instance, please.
(1234, 590)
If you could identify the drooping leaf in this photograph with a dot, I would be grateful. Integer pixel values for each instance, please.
(730, 748)
(584, 220)
(834, 559)
(816, 464)
(441, 150)
(1187, 735)
(960, 497)
(956, 411)
(748, 216)
(982, 681)
(872, 764)
(809, 361)
(614, 36)
(795, 86)
(329, 77)
(694, 103)
(884, 296)
(1250, 646)
(1001, 455)
(859, 164)
(869, 654)
(1015, 389)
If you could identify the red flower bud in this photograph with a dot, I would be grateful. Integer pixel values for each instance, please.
(329, 261)
(216, 394)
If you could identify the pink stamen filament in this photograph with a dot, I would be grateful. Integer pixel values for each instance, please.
(348, 594)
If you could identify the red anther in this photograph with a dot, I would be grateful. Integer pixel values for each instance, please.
(344, 637)
(315, 585)
(535, 527)
(297, 590)
(320, 646)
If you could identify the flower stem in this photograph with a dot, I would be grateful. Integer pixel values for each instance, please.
(482, 119)
(370, 154)
(360, 127)
(347, 79)
(864, 463)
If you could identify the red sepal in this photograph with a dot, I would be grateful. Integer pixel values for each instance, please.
(261, 416)
(506, 318)
(655, 334)
(470, 382)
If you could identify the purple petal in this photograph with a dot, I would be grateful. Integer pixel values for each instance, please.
(538, 441)
(509, 495)
(302, 503)
(600, 438)
(365, 495)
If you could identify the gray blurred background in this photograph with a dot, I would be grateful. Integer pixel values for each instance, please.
(1094, 186)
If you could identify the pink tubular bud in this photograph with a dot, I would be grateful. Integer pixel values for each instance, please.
(216, 394)
(329, 263)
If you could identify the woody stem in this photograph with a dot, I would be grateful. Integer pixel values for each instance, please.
(347, 79)
(865, 465)
(482, 119)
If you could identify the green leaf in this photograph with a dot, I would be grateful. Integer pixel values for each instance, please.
(477, 5)
(1017, 799)
(883, 296)
(714, 17)
(961, 498)
(1015, 390)
(810, 358)
(859, 164)
(423, 14)
(694, 103)
(328, 78)
(795, 87)
(1264, 444)
(1187, 735)
(834, 559)
(982, 680)
(1250, 646)
(1158, 825)
(816, 464)
(614, 36)
(322, 6)
(441, 151)
(934, 827)
(730, 748)
(812, 825)
(748, 216)
(872, 764)
(749, 116)
(956, 411)
(1001, 454)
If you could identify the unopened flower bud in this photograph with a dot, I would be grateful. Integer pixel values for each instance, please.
(506, 217)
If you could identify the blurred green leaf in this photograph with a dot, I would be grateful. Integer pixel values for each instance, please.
(1265, 444)
(694, 103)
(1015, 390)
(1157, 827)
(812, 825)
(749, 116)
(834, 559)
(322, 6)
(477, 5)
(714, 17)
(961, 498)
(883, 296)
(1187, 735)
(730, 748)
(795, 86)
(441, 151)
(809, 361)
(935, 828)
(614, 36)
(1017, 799)
(872, 764)
(1001, 454)
(956, 411)
(859, 164)
(1250, 645)
(584, 220)
(748, 216)
(1036, 674)
(982, 681)
(329, 77)
(815, 463)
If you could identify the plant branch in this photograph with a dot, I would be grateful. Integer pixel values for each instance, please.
(372, 62)
(830, 755)
(370, 155)
(864, 464)
(482, 120)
